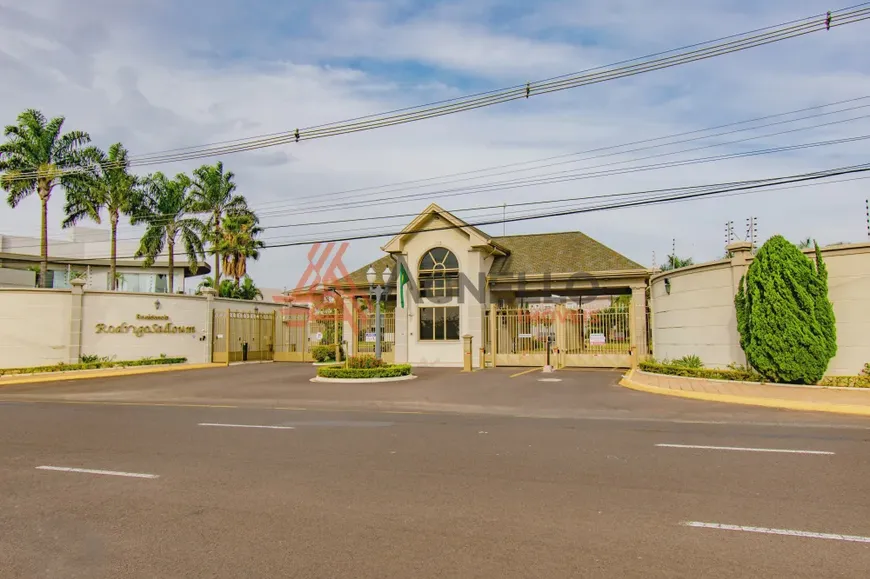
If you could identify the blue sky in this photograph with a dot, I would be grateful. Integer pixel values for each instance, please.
(164, 74)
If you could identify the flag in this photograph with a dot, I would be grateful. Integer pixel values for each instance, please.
(403, 279)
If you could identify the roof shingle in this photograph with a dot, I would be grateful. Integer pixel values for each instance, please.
(566, 252)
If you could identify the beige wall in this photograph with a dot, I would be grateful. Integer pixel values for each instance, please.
(116, 308)
(34, 327)
(45, 327)
(698, 317)
(472, 264)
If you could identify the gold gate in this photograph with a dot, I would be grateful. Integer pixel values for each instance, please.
(519, 337)
(365, 334)
(522, 336)
(292, 339)
(596, 338)
(242, 336)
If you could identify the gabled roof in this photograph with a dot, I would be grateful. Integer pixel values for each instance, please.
(478, 237)
(566, 252)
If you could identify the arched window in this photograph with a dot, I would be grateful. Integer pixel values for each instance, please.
(438, 274)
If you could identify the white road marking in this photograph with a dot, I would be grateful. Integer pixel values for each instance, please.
(741, 449)
(94, 471)
(248, 426)
(785, 532)
(549, 379)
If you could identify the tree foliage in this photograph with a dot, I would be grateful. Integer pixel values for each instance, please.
(111, 188)
(675, 262)
(36, 158)
(166, 210)
(784, 318)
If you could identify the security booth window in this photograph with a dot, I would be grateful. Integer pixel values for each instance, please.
(438, 274)
(440, 323)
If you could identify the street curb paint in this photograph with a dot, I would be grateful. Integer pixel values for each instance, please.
(851, 409)
(108, 373)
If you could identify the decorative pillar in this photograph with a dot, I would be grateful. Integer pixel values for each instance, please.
(77, 294)
(210, 294)
(349, 330)
(466, 353)
(637, 311)
(493, 333)
(741, 255)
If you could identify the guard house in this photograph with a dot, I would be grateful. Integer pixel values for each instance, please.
(516, 296)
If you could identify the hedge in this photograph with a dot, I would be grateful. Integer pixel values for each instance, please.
(862, 381)
(62, 367)
(359, 373)
(325, 353)
(734, 373)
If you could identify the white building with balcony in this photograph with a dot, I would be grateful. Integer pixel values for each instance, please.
(85, 253)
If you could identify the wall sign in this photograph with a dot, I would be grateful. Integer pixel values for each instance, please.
(597, 339)
(141, 330)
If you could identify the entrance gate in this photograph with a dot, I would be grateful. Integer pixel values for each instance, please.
(521, 337)
(365, 334)
(240, 336)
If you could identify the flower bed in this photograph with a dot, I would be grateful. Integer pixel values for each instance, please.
(734, 373)
(393, 371)
(62, 367)
(861, 381)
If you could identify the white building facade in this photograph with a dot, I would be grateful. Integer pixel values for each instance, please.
(84, 254)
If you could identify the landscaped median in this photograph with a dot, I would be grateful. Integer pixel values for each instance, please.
(736, 387)
(364, 369)
(93, 367)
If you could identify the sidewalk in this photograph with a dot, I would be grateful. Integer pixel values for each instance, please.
(854, 401)
(14, 379)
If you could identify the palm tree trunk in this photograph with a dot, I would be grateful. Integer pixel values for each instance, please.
(113, 265)
(171, 279)
(43, 266)
(217, 258)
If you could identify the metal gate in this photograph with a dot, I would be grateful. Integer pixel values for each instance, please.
(365, 334)
(240, 336)
(522, 337)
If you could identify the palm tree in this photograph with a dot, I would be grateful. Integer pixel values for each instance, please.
(113, 189)
(238, 243)
(36, 158)
(213, 194)
(248, 291)
(675, 262)
(167, 210)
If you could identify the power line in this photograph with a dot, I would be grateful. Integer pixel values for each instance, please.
(559, 177)
(735, 43)
(700, 192)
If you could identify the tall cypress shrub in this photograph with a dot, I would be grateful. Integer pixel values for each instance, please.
(785, 320)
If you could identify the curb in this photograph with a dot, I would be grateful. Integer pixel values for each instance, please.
(108, 373)
(363, 380)
(851, 409)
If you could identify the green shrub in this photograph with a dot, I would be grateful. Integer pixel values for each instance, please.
(366, 361)
(861, 381)
(100, 363)
(732, 373)
(692, 361)
(784, 317)
(866, 370)
(323, 353)
(358, 373)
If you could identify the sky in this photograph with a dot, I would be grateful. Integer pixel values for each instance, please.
(167, 74)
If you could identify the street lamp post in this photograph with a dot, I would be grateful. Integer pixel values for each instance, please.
(379, 291)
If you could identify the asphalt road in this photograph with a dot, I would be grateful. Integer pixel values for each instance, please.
(340, 489)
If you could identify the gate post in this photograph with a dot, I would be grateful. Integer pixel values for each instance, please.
(229, 336)
(561, 335)
(493, 335)
(637, 327)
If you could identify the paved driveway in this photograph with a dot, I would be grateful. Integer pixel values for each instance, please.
(255, 472)
(500, 391)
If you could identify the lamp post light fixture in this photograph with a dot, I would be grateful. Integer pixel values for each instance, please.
(379, 291)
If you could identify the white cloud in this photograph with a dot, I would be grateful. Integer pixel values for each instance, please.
(155, 79)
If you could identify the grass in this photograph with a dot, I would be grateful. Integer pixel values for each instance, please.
(91, 365)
